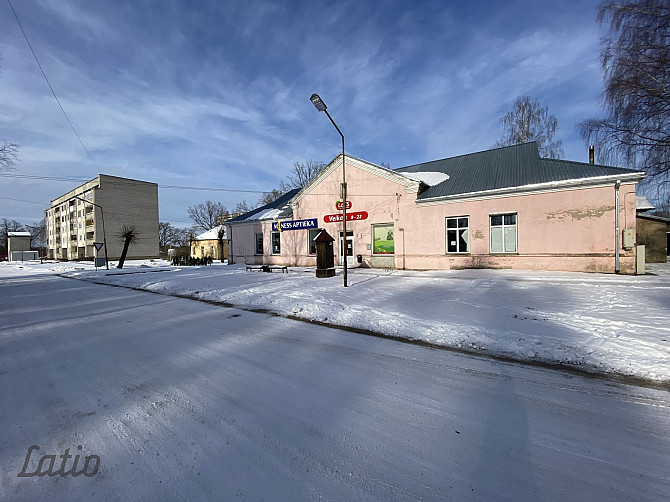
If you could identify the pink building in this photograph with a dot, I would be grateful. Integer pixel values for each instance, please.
(500, 208)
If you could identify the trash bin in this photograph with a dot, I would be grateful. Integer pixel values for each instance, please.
(359, 258)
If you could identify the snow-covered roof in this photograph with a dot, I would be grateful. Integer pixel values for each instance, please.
(642, 204)
(276, 209)
(211, 234)
(266, 214)
(18, 234)
(429, 178)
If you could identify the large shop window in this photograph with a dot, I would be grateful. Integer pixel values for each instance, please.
(458, 235)
(382, 239)
(259, 243)
(503, 233)
(311, 235)
(276, 243)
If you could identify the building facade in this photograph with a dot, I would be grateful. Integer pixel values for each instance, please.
(207, 244)
(654, 233)
(501, 208)
(96, 212)
(18, 246)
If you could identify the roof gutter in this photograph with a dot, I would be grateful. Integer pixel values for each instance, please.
(539, 187)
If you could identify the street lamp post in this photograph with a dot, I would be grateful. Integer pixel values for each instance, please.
(321, 106)
(104, 235)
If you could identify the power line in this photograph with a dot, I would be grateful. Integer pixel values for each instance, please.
(75, 179)
(50, 87)
(213, 189)
(22, 200)
(47, 178)
(176, 187)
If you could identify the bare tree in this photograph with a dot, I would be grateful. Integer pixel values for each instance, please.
(9, 152)
(7, 226)
(207, 215)
(128, 234)
(242, 207)
(38, 232)
(301, 175)
(184, 236)
(220, 234)
(663, 207)
(528, 121)
(385, 165)
(166, 236)
(271, 196)
(636, 64)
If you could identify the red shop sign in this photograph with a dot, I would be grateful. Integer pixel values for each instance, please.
(339, 206)
(334, 218)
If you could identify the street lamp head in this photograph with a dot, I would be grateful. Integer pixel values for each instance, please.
(318, 102)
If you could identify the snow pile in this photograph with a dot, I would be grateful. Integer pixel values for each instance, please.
(53, 266)
(600, 323)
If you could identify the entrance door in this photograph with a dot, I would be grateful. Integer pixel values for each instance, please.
(350, 248)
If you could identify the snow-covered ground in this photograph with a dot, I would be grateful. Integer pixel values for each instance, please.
(596, 322)
(182, 400)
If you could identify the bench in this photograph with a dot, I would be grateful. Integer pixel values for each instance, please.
(267, 268)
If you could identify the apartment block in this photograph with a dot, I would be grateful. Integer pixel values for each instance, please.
(101, 208)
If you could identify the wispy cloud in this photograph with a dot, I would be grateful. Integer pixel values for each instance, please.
(217, 93)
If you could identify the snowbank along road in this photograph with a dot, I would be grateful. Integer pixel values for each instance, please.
(182, 400)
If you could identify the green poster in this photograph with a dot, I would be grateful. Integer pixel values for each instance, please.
(382, 238)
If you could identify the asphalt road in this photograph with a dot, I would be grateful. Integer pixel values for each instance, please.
(174, 399)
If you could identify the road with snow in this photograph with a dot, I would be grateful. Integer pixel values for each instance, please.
(182, 400)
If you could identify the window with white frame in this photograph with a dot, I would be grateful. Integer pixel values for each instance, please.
(259, 243)
(276, 242)
(312, 233)
(458, 234)
(503, 233)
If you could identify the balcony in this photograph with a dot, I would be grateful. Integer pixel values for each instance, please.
(89, 223)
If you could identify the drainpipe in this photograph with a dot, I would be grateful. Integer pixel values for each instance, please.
(229, 238)
(617, 185)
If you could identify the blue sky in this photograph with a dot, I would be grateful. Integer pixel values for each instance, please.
(216, 93)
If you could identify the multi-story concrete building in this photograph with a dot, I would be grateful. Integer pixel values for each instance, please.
(74, 222)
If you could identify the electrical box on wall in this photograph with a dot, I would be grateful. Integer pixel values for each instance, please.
(628, 238)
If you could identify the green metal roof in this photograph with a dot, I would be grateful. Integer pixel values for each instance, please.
(506, 167)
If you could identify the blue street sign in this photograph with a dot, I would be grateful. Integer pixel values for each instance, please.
(294, 225)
